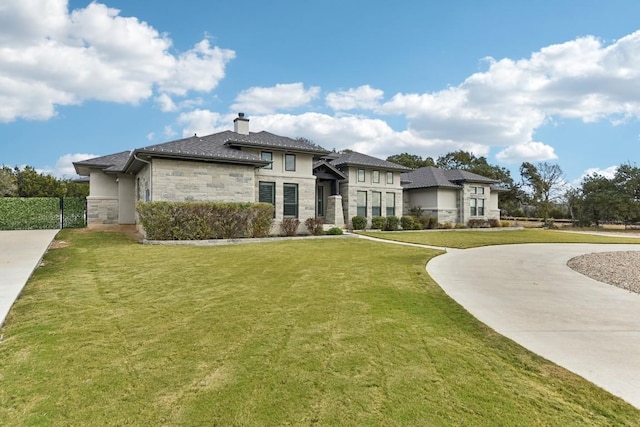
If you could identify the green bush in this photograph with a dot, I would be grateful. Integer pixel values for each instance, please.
(447, 225)
(392, 223)
(290, 226)
(335, 231)
(314, 225)
(378, 223)
(505, 224)
(359, 222)
(478, 223)
(408, 222)
(204, 220)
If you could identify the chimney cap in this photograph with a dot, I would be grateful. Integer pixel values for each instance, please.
(241, 115)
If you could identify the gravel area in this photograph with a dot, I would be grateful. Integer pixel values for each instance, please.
(621, 269)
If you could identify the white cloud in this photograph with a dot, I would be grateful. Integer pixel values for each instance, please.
(527, 152)
(150, 136)
(363, 97)
(64, 165)
(204, 122)
(608, 173)
(267, 100)
(165, 103)
(50, 56)
(169, 132)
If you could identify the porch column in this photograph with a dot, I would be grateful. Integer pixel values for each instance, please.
(334, 214)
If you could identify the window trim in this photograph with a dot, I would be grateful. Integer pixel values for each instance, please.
(375, 177)
(362, 175)
(269, 159)
(391, 207)
(320, 208)
(389, 177)
(359, 207)
(284, 200)
(376, 210)
(273, 194)
(288, 156)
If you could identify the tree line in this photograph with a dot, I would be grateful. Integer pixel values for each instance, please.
(27, 182)
(542, 191)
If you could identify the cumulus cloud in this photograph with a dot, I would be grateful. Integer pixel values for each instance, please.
(363, 97)
(608, 173)
(50, 56)
(267, 100)
(502, 106)
(64, 165)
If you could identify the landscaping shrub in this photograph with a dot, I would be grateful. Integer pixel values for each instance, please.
(314, 225)
(204, 220)
(433, 223)
(335, 231)
(359, 222)
(29, 213)
(392, 223)
(408, 222)
(478, 223)
(459, 226)
(290, 226)
(493, 223)
(416, 211)
(447, 225)
(505, 224)
(378, 223)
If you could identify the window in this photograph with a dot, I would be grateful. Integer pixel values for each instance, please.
(362, 203)
(267, 194)
(375, 177)
(477, 190)
(376, 203)
(391, 204)
(361, 175)
(268, 156)
(480, 207)
(320, 201)
(389, 177)
(474, 209)
(290, 194)
(290, 162)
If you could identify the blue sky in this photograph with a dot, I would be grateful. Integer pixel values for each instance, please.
(514, 81)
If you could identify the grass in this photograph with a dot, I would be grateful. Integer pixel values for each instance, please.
(464, 239)
(310, 332)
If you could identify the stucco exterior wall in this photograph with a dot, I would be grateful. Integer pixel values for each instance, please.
(126, 199)
(183, 181)
(439, 203)
(102, 202)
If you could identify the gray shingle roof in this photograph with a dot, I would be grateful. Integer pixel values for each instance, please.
(354, 158)
(222, 146)
(434, 177)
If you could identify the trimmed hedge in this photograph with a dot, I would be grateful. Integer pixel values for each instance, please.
(29, 213)
(204, 220)
(359, 222)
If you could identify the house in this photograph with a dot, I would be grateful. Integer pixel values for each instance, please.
(300, 179)
(454, 196)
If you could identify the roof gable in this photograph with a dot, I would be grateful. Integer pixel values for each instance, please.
(354, 158)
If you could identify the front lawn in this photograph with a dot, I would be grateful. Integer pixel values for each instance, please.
(464, 239)
(310, 332)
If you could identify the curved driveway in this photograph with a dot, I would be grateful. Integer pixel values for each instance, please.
(528, 294)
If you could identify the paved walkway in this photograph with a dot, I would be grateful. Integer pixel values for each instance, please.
(20, 254)
(528, 294)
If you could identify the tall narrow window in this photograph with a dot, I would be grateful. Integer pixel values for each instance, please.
(267, 194)
(362, 203)
(375, 177)
(290, 196)
(290, 162)
(361, 177)
(320, 201)
(480, 207)
(376, 203)
(474, 208)
(391, 204)
(268, 156)
(389, 177)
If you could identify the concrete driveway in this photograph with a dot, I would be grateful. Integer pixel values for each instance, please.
(528, 294)
(20, 254)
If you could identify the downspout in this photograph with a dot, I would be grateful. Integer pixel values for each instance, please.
(150, 175)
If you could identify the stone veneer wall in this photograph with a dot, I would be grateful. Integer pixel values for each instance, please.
(179, 181)
(102, 210)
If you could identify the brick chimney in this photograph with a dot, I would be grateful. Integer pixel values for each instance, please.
(241, 125)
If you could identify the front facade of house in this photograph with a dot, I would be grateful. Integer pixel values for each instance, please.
(300, 179)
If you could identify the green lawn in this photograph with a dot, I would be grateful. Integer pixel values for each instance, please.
(463, 239)
(308, 332)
